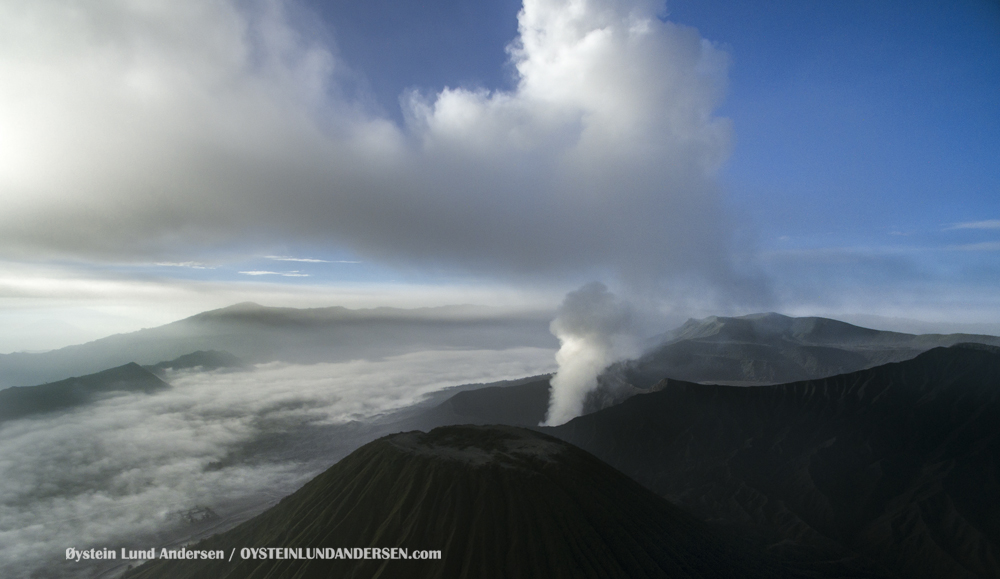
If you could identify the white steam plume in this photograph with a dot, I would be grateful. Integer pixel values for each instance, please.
(595, 329)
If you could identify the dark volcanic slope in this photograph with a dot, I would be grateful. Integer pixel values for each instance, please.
(774, 349)
(24, 401)
(517, 405)
(497, 501)
(900, 463)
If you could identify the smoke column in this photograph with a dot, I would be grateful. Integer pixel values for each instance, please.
(595, 329)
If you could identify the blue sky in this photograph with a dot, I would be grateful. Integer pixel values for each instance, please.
(804, 157)
(877, 117)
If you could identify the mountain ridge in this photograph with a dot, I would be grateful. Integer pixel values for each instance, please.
(22, 401)
(898, 464)
(771, 348)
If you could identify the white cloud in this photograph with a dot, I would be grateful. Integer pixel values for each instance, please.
(114, 472)
(190, 264)
(308, 259)
(137, 131)
(280, 273)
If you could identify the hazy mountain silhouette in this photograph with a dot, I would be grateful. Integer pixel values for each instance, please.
(897, 465)
(19, 402)
(774, 349)
(256, 333)
(497, 501)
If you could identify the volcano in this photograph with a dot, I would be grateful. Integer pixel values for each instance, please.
(496, 501)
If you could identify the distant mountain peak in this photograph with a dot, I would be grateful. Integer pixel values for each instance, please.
(245, 306)
(242, 307)
(764, 316)
(771, 325)
(772, 348)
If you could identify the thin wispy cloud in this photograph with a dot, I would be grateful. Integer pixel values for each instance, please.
(984, 246)
(308, 259)
(189, 264)
(988, 224)
(279, 273)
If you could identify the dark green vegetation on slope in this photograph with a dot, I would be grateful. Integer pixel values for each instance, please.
(497, 501)
(19, 402)
(897, 465)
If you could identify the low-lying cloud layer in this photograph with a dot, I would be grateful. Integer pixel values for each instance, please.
(121, 470)
(152, 131)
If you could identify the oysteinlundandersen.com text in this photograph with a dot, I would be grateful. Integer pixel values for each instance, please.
(256, 553)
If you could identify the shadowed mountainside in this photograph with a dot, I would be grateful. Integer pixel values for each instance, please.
(518, 405)
(256, 333)
(898, 465)
(19, 402)
(774, 349)
(497, 501)
(202, 359)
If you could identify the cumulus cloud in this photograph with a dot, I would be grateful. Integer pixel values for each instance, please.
(141, 130)
(595, 329)
(120, 470)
